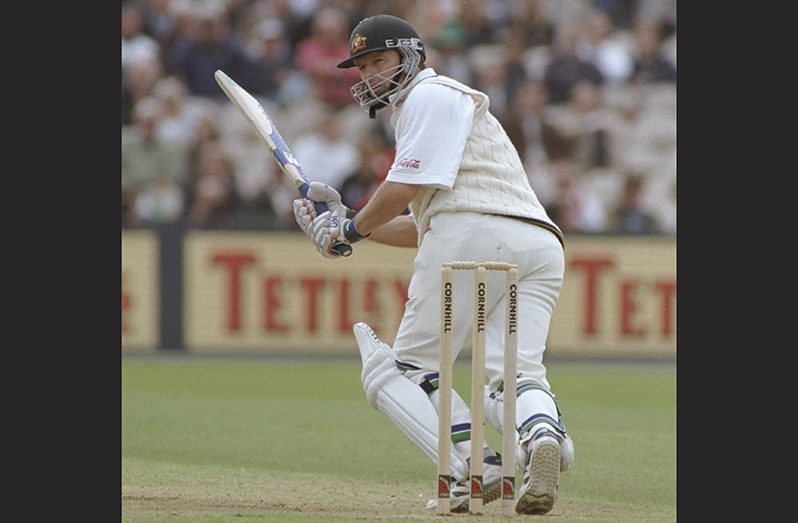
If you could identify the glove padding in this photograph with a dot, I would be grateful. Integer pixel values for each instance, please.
(304, 214)
(328, 229)
(325, 230)
(320, 192)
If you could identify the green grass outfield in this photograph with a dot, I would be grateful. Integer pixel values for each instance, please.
(255, 440)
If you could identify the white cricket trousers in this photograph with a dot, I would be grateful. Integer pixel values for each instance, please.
(480, 238)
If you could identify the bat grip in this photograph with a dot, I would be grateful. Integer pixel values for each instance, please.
(343, 249)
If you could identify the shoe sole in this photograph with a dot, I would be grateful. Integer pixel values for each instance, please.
(540, 495)
(493, 492)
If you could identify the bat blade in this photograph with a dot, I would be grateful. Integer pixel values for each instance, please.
(254, 113)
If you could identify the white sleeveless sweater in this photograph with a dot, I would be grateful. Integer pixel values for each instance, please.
(491, 178)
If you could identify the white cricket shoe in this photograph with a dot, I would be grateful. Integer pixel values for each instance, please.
(491, 478)
(541, 475)
(460, 494)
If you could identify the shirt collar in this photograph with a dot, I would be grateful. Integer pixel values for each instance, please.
(419, 76)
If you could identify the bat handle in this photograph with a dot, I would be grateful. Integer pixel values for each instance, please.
(343, 249)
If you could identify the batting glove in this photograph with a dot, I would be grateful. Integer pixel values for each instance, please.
(304, 214)
(329, 228)
(321, 192)
(325, 230)
(305, 210)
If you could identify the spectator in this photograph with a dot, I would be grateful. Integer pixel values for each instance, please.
(477, 27)
(514, 66)
(206, 133)
(375, 159)
(279, 195)
(326, 154)
(273, 74)
(138, 80)
(599, 45)
(490, 77)
(660, 198)
(159, 19)
(565, 67)
(318, 56)
(622, 12)
(650, 65)
(451, 57)
(528, 125)
(136, 44)
(253, 202)
(530, 24)
(661, 11)
(574, 208)
(141, 59)
(297, 18)
(629, 217)
(594, 129)
(209, 46)
(213, 199)
(177, 124)
(162, 21)
(152, 170)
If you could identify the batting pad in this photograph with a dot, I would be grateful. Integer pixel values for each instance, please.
(494, 413)
(399, 398)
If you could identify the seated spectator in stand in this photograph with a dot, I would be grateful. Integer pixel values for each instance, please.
(530, 23)
(206, 134)
(210, 45)
(661, 11)
(477, 27)
(279, 195)
(152, 170)
(160, 20)
(599, 46)
(375, 159)
(326, 154)
(527, 124)
(139, 77)
(178, 124)
(319, 54)
(273, 75)
(572, 207)
(593, 127)
(214, 199)
(630, 217)
(490, 77)
(650, 65)
(565, 67)
(515, 66)
(136, 44)
(176, 22)
(452, 59)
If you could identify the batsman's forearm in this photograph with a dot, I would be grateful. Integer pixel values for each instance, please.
(399, 232)
(389, 201)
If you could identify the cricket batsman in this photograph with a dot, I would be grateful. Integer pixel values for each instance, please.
(469, 199)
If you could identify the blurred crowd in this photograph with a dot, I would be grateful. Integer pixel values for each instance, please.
(586, 90)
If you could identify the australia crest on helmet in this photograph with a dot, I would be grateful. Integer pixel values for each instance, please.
(358, 43)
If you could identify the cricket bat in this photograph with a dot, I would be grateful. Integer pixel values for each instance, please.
(257, 117)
